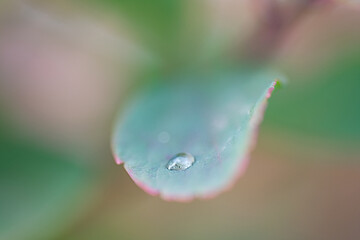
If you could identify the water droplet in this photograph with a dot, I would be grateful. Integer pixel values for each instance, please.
(180, 162)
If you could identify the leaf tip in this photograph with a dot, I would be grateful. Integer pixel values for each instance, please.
(118, 161)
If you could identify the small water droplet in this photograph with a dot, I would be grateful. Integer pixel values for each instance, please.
(180, 162)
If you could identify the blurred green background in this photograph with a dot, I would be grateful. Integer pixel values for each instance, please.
(67, 67)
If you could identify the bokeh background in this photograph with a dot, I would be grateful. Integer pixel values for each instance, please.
(68, 67)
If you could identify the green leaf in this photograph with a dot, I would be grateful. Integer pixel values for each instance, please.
(330, 109)
(212, 116)
(156, 22)
(40, 190)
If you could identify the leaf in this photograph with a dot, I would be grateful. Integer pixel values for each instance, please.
(155, 22)
(327, 73)
(212, 116)
(330, 109)
(40, 190)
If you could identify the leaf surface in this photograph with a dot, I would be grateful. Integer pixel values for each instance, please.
(213, 117)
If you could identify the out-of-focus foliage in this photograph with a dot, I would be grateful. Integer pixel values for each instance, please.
(64, 64)
(321, 56)
(170, 29)
(42, 191)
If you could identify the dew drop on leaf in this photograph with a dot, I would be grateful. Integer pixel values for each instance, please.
(180, 162)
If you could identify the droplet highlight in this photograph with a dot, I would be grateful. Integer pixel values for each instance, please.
(180, 162)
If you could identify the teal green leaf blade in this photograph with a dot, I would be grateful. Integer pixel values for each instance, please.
(213, 117)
